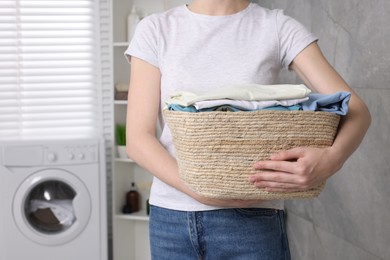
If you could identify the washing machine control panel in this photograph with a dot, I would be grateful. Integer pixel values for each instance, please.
(71, 154)
(50, 153)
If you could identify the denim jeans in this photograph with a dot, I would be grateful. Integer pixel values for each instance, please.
(218, 234)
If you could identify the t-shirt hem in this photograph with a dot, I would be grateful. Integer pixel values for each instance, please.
(130, 53)
(276, 204)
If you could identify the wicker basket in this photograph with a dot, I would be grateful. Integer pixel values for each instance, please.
(216, 150)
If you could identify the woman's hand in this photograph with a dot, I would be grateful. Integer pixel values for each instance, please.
(297, 169)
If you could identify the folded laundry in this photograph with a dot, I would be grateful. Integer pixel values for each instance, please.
(249, 92)
(247, 105)
(335, 103)
(229, 108)
(192, 109)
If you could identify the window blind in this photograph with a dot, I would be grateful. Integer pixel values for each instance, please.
(49, 77)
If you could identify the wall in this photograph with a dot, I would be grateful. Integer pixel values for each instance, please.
(351, 218)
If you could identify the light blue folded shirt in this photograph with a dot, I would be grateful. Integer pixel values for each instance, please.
(336, 103)
(193, 109)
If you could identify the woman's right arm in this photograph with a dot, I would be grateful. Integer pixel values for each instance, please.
(142, 113)
(142, 144)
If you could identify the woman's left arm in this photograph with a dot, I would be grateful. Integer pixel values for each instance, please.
(303, 168)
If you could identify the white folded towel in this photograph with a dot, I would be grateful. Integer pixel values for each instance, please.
(248, 92)
(248, 105)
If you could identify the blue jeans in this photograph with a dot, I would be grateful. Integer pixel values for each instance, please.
(218, 234)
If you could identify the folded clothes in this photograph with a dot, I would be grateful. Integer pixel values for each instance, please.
(334, 103)
(229, 108)
(247, 105)
(249, 92)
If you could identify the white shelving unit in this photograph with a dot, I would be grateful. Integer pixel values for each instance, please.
(130, 232)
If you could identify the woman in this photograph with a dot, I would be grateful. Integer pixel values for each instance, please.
(208, 45)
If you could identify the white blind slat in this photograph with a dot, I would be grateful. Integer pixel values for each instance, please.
(56, 49)
(55, 79)
(62, 131)
(59, 108)
(55, 71)
(58, 4)
(5, 80)
(54, 116)
(57, 19)
(56, 86)
(57, 64)
(60, 94)
(55, 41)
(9, 35)
(56, 34)
(58, 56)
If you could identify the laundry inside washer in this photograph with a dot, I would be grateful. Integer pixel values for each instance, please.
(49, 207)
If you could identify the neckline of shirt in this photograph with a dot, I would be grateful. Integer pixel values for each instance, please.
(218, 17)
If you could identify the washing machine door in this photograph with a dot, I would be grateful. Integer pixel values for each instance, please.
(52, 207)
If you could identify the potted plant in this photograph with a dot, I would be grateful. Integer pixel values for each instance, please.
(120, 134)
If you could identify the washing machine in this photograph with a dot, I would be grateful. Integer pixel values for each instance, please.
(53, 200)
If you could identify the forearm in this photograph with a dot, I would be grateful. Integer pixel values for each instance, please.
(351, 131)
(318, 74)
(148, 153)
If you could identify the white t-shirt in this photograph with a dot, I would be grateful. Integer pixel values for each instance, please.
(197, 53)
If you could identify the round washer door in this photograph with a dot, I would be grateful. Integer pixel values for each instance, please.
(52, 207)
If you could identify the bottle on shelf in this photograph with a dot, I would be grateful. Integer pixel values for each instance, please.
(132, 199)
(147, 207)
(132, 21)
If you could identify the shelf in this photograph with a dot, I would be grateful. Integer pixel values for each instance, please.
(124, 160)
(120, 102)
(139, 216)
(121, 44)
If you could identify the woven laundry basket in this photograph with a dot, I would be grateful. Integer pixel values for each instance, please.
(216, 150)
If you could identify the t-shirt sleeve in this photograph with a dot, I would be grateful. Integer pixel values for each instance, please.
(293, 38)
(144, 44)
